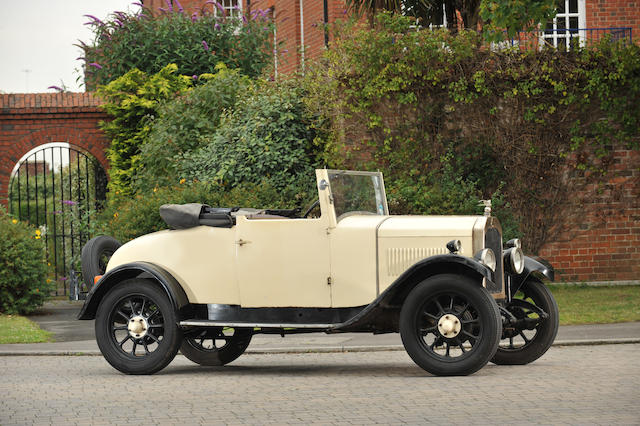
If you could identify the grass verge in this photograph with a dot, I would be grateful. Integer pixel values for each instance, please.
(18, 329)
(597, 305)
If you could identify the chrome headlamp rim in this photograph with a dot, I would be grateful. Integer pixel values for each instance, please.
(514, 258)
(487, 257)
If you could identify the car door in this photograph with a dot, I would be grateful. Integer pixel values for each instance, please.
(283, 262)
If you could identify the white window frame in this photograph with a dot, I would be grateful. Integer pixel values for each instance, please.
(552, 39)
(229, 8)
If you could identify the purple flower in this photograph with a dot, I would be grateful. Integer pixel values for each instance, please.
(168, 2)
(63, 278)
(163, 10)
(95, 64)
(218, 5)
(81, 58)
(244, 19)
(194, 17)
(137, 3)
(58, 88)
(216, 26)
(119, 22)
(57, 212)
(94, 19)
(194, 77)
(69, 202)
(205, 45)
(180, 8)
(121, 15)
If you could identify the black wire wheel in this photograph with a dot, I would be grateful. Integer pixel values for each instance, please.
(215, 346)
(530, 325)
(136, 328)
(450, 325)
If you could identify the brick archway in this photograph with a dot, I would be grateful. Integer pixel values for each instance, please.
(30, 120)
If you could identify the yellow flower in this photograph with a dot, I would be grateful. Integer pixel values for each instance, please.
(14, 221)
(155, 189)
(37, 237)
(183, 180)
(49, 264)
(48, 280)
(115, 215)
(38, 233)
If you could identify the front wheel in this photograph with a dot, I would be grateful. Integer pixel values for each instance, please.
(136, 328)
(531, 327)
(215, 346)
(450, 326)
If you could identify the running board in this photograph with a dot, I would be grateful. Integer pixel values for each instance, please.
(208, 323)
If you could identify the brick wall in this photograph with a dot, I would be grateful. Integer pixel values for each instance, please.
(603, 242)
(614, 13)
(30, 120)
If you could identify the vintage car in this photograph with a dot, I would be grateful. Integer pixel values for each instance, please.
(221, 275)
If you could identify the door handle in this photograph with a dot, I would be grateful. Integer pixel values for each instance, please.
(242, 242)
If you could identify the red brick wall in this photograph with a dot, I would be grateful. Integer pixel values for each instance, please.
(604, 242)
(30, 120)
(614, 13)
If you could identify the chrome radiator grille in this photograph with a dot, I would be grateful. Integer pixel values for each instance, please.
(493, 240)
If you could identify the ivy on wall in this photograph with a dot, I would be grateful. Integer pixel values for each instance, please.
(532, 124)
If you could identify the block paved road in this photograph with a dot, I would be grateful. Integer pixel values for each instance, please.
(569, 385)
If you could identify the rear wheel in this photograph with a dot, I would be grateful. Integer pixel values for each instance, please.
(136, 328)
(215, 346)
(531, 327)
(450, 326)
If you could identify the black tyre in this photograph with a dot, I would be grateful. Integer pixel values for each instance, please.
(450, 326)
(136, 328)
(95, 256)
(535, 328)
(215, 346)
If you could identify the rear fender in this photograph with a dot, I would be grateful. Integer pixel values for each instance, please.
(147, 270)
(539, 269)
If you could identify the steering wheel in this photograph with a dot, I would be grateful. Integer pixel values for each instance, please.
(310, 209)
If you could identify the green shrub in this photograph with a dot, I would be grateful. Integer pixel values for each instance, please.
(269, 136)
(195, 43)
(24, 284)
(542, 125)
(186, 123)
(132, 101)
(126, 218)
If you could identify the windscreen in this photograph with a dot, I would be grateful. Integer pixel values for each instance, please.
(357, 193)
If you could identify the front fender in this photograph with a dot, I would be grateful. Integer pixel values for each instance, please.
(536, 268)
(394, 295)
(165, 280)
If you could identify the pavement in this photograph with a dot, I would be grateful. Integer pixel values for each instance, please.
(74, 337)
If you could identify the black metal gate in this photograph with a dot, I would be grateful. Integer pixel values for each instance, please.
(59, 188)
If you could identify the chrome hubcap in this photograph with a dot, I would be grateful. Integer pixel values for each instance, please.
(137, 327)
(449, 325)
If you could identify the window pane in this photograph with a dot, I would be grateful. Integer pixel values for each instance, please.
(573, 22)
(573, 6)
(561, 8)
(561, 43)
(561, 23)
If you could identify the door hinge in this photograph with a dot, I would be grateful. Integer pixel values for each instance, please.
(328, 280)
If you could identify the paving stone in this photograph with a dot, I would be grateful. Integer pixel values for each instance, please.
(569, 385)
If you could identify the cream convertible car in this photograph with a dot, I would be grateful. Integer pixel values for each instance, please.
(221, 275)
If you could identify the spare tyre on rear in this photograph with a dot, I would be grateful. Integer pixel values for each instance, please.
(95, 256)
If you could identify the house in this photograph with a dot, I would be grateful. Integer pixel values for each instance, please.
(301, 25)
